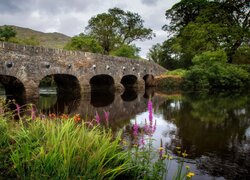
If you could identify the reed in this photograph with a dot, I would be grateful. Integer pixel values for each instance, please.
(63, 150)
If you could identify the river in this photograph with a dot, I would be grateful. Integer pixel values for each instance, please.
(214, 129)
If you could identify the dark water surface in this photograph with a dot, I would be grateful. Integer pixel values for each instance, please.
(213, 129)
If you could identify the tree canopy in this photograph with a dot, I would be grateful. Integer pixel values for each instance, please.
(85, 43)
(6, 33)
(117, 28)
(197, 26)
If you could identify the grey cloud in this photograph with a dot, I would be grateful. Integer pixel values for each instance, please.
(13, 6)
(149, 2)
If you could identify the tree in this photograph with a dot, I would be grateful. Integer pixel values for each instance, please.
(202, 25)
(129, 51)
(183, 13)
(6, 33)
(116, 28)
(84, 43)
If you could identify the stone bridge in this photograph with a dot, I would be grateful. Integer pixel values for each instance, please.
(23, 67)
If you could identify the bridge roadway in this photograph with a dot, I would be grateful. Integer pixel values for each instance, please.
(23, 66)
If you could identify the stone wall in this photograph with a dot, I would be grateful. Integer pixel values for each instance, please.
(30, 64)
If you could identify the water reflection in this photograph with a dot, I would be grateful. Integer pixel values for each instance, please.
(213, 130)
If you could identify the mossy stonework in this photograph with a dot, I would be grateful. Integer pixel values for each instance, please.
(30, 64)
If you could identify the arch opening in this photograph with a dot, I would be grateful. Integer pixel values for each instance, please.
(12, 88)
(129, 81)
(62, 83)
(102, 82)
(102, 90)
(59, 93)
(149, 80)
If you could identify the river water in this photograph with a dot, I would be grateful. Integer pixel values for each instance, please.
(214, 129)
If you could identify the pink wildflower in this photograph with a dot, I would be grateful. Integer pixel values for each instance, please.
(18, 109)
(106, 116)
(33, 113)
(150, 110)
(154, 127)
(135, 129)
(97, 118)
(142, 141)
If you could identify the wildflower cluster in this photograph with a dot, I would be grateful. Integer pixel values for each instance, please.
(181, 156)
(98, 119)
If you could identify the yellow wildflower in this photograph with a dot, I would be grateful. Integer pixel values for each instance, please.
(164, 156)
(178, 147)
(170, 157)
(187, 167)
(184, 154)
(161, 148)
(190, 174)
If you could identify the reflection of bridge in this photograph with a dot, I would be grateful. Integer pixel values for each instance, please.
(121, 108)
(23, 67)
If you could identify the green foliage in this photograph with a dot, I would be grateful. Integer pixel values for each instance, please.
(116, 28)
(6, 33)
(177, 72)
(198, 26)
(129, 51)
(25, 41)
(212, 72)
(210, 57)
(84, 43)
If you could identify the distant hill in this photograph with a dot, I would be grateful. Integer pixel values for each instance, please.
(51, 40)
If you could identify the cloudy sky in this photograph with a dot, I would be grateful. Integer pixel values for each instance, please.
(70, 17)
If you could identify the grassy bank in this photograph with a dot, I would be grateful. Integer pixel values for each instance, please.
(60, 150)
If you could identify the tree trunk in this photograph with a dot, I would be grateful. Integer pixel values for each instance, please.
(233, 50)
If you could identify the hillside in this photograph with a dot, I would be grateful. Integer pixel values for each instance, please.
(51, 40)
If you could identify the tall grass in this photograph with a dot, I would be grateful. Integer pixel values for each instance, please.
(64, 150)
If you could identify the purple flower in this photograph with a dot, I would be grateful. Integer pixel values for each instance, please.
(42, 116)
(142, 141)
(154, 127)
(146, 127)
(106, 116)
(150, 110)
(18, 109)
(135, 129)
(97, 117)
(33, 113)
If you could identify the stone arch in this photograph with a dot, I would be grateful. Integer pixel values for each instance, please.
(65, 83)
(102, 90)
(102, 81)
(12, 85)
(149, 80)
(129, 81)
(68, 93)
(14, 88)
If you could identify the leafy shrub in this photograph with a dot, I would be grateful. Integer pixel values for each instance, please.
(212, 72)
(177, 72)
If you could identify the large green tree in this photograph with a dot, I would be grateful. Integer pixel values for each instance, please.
(116, 28)
(197, 26)
(6, 33)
